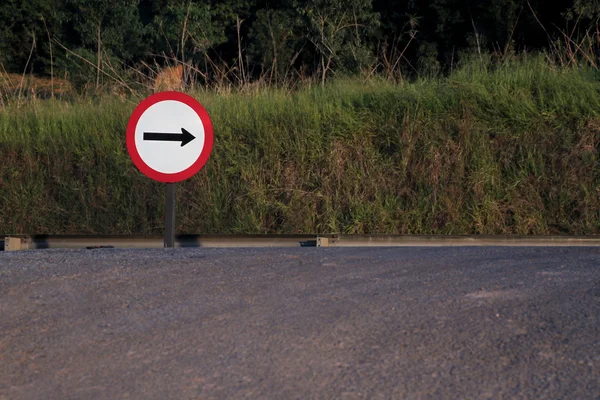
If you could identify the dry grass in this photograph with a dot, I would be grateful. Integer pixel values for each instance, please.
(33, 87)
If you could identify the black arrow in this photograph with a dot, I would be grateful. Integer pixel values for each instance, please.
(184, 137)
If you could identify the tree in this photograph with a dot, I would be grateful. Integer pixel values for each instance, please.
(190, 31)
(24, 30)
(275, 41)
(340, 31)
(182, 28)
(110, 25)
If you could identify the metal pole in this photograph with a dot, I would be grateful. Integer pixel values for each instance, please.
(170, 215)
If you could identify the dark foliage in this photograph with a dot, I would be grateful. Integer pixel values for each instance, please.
(248, 39)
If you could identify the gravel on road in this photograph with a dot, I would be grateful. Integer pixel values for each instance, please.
(301, 323)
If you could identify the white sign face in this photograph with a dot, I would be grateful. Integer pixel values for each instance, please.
(169, 136)
(169, 118)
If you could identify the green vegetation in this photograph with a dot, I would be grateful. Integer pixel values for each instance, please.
(103, 46)
(491, 149)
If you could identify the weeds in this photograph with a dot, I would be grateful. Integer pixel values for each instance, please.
(508, 148)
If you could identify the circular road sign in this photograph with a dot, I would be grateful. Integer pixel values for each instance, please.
(169, 136)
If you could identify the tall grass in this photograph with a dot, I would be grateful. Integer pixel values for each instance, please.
(509, 148)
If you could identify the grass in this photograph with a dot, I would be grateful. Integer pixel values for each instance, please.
(508, 148)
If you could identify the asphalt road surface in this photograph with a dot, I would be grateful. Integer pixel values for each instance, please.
(322, 323)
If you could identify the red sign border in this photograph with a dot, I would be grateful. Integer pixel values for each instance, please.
(208, 137)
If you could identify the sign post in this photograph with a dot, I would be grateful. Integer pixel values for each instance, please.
(169, 138)
(171, 188)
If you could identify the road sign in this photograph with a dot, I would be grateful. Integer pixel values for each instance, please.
(169, 136)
